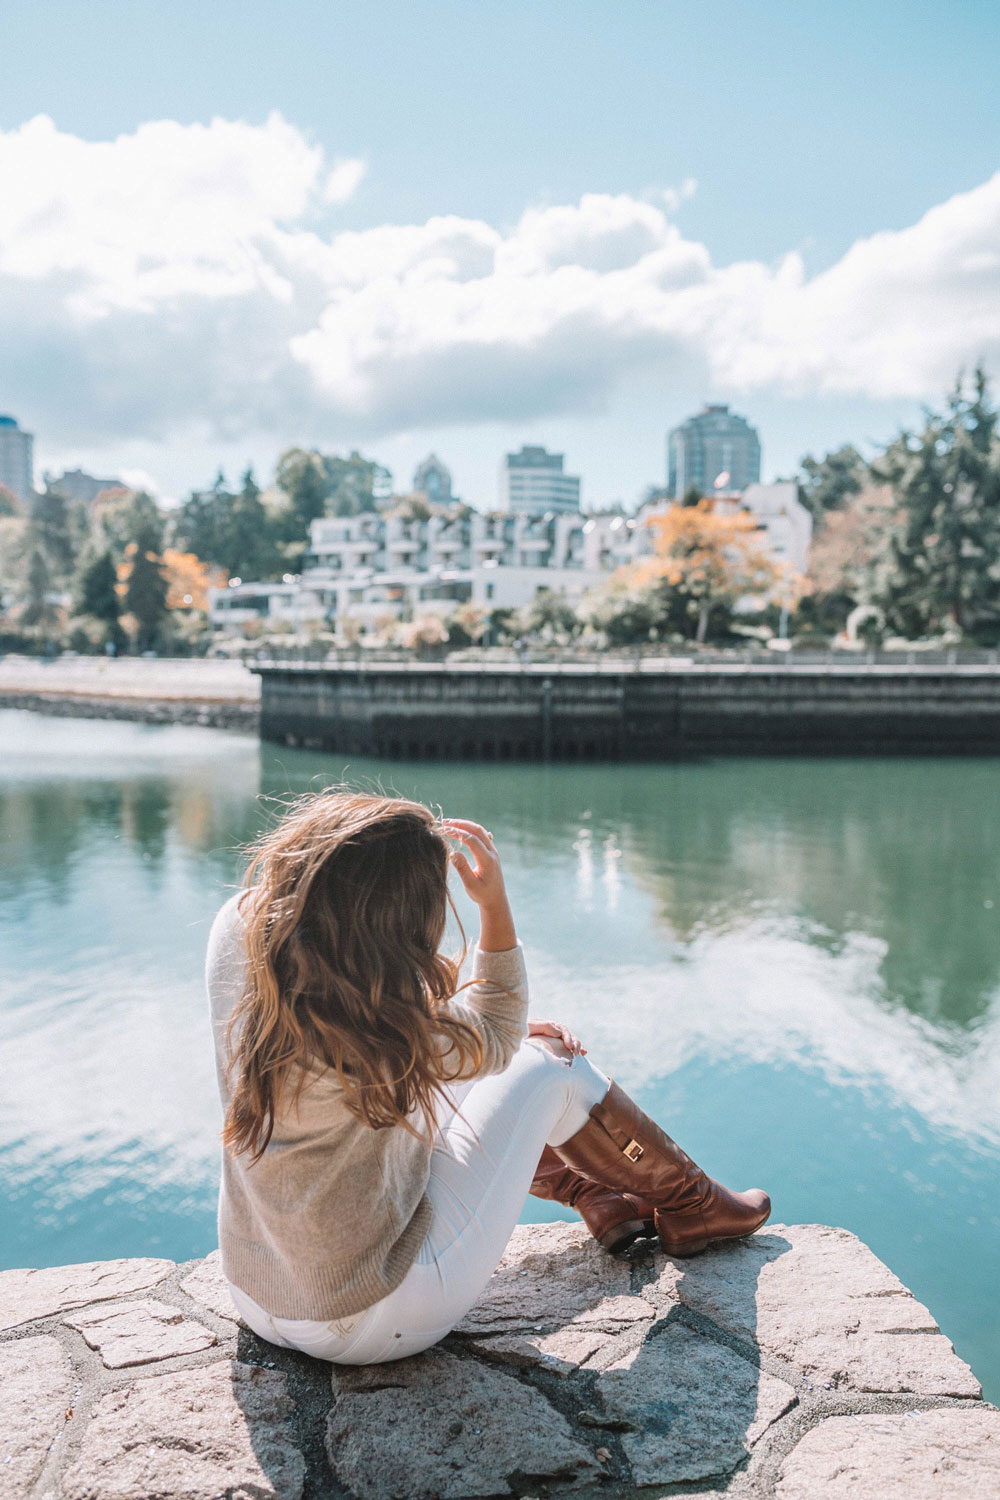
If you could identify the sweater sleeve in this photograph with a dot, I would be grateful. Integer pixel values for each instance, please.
(495, 1004)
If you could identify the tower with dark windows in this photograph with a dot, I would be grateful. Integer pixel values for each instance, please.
(715, 450)
(16, 458)
(433, 479)
(532, 482)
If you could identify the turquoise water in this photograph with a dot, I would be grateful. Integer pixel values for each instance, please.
(793, 964)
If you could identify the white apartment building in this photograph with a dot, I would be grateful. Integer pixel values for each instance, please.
(786, 521)
(380, 566)
(240, 603)
(374, 566)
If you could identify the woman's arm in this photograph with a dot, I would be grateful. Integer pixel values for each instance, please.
(496, 1003)
(483, 881)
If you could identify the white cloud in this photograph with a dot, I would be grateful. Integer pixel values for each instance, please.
(176, 278)
(343, 181)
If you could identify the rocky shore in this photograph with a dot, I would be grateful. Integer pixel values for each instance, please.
(792, 1365)
(217, 694)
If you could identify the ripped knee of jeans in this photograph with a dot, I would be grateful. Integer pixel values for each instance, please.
(553, 1045)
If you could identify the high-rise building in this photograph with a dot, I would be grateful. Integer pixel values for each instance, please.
(532, 482)
(433, 479)
(715, 450)
(17, 466)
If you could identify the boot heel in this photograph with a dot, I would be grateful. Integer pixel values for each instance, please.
(682, 1252)
(623, 1235)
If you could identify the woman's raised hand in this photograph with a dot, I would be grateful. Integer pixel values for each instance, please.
(477, 864)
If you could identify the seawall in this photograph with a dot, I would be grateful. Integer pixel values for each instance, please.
(792, 1365)
(613, 711)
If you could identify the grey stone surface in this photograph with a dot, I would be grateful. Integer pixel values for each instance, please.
(696, 1407)
(218, 1431)
(136, 1333)
(648, 1390)
(36, 1389)
(926, 1455)
(523, 1293)
(27, 1295)
(820, 1299)
(562, 1352)
(207, 1285)
(440, 1428)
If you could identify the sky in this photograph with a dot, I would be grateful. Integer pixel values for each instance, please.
(414, 225)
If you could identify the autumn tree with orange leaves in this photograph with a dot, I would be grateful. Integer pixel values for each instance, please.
(706, 561)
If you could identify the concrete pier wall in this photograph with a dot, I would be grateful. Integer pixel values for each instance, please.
(623, 713)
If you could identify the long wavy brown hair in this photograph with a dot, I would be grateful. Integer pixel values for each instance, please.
(344, 906)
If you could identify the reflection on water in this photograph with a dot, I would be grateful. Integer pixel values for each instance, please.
(793, 964)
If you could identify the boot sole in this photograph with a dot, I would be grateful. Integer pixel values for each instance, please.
(695, 1247)
(623, 1235)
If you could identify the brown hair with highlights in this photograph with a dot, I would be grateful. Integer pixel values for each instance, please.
(345, 904)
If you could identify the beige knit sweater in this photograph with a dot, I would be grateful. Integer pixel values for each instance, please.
(331, 1217)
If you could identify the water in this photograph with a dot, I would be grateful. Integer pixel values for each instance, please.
(793, 965)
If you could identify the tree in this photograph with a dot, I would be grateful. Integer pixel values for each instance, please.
(10, 505)
(97, 588)
(550, 618)
(198, 525)
(355, 484)
(468, 624)
(145, 589)
(188, 580)
(707, 560)
(121, 516)
(38, 609)
(50, 528)
(844, 558)
(250, 550)
(830, 482)
(302, 476)
(939, 565)
(624, 615)
(234, 532)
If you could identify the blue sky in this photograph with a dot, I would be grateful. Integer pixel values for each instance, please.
(804, 129)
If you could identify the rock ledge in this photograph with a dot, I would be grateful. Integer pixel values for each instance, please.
(793, 1365)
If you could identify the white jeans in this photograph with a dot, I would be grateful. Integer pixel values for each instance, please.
(481, 1169)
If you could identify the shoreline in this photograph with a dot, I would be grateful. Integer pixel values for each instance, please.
(216, 694)
(209, 714)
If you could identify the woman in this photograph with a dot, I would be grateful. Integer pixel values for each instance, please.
(383, 1124)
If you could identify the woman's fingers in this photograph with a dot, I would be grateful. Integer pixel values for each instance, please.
(465, 870)
(476, 844)
(469, 827)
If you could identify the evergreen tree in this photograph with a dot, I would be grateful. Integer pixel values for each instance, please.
(940, 561)
(38, 610)
(146, 592)
(198, 526)
(51, 531)
(96, 592)
(303, 478)
(355, 484)
(829, 482)
(127, 516)
(251, 552)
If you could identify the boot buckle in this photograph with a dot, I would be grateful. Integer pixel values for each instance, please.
(633, 1150)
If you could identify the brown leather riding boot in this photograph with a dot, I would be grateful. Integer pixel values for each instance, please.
(617, 1220)
(621, 1148)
